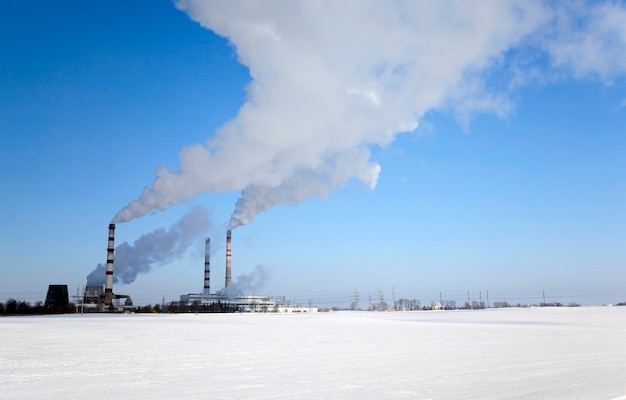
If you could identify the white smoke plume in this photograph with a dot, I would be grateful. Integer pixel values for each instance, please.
(303, 184)
(332, 78)
(153, 249)
(247, 284)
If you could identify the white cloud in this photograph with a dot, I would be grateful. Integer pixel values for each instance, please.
(330, 78)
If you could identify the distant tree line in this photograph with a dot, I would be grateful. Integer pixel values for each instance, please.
(195, 307)
(20, 307)
(17, 307)
(504, 304)
(416, 305)
(376, 302)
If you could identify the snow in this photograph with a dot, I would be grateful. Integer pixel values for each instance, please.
(547, 353)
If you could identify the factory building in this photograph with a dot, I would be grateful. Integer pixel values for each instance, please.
(94, 300)
(99, 300)
(243, 303)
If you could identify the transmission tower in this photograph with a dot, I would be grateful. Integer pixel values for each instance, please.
(356, 300)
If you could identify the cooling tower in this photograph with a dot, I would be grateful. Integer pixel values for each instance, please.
(57, 297)
(228, 272)
(207, 267)
(108, 285)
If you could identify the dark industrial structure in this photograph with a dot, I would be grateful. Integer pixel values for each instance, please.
(57, 297)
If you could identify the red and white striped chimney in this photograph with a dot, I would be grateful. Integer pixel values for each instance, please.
(228, 248)
(108, 285)
(207, 267)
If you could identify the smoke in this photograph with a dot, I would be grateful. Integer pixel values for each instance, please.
(304, 184)
(247, 283)
(153, 249)
(331, 79)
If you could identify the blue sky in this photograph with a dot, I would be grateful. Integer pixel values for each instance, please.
(411, 156)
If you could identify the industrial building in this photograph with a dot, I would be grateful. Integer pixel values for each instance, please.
(243, 303)
(57, 297)
(98, 300)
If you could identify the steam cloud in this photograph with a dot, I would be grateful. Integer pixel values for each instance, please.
(331, 79)
(153, 249)
(247, 283)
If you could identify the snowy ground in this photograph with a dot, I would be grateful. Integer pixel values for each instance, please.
(540, 353)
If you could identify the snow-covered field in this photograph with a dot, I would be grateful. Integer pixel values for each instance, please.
(538, 353)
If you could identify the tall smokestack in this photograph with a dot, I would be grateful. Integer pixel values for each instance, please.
(228, 247)
(108, 285)
(207, 267)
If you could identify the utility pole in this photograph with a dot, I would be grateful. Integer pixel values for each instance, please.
(480, 299)
(469, 305)
(488, 299)
(369, 302)
(440, 298)
(393, 296)
(543, 295)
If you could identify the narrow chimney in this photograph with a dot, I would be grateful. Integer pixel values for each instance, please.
(207, 267)
(108, 285)
(228, 272)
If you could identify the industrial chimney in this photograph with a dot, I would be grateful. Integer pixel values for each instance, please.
(207, 267)
(228, 247)
(108, 285)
